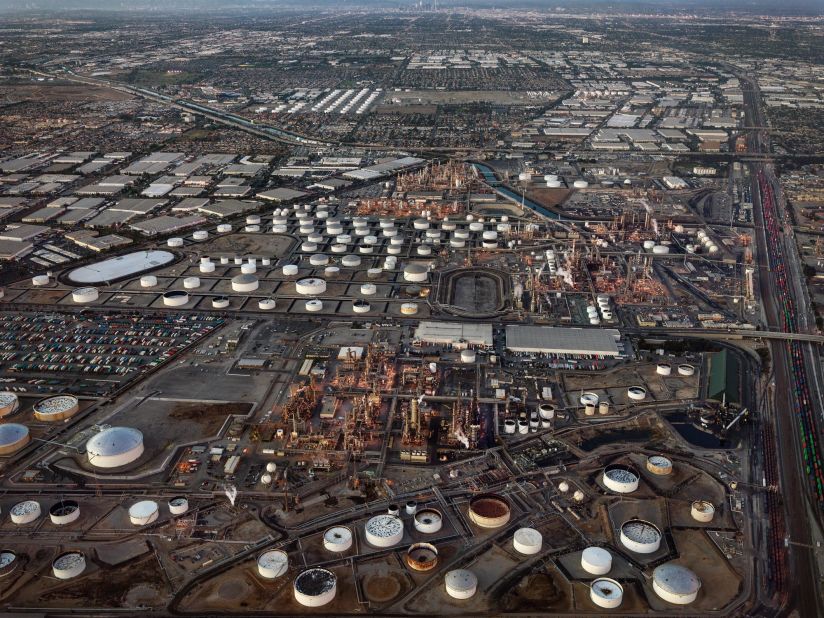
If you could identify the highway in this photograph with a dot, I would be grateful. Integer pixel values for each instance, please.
(787, 429)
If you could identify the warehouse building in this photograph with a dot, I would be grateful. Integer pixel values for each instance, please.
(564, 342)
(454, 334)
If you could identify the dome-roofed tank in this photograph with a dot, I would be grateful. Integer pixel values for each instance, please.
(461, 584)
(596, 560)
(527, 541)
(675, 583)
(272, 564)
(114, 447)
(13, 437)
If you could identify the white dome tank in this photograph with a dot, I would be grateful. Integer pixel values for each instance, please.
(319, 259)
(607, 593)
(368, 289)
(272, 564)
(337, 539)
(527, 541)
(315, 587)
(461, 584)
(580, 184)
(245, 283)
(200, 235)
(114, 447)
(384, 531)
(191, 283)
(661, 250)
(267, 304)
(207, 267)
(675, 584)
(25, 512)
(468, 356)
(148, 281)
(174, 242)
(143, 513)
(290, 270)
(596, 560)
(415, 273)
(350, 261)
(224, 228)
(248, 268)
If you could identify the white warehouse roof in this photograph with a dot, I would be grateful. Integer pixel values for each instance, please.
(454, 332)
(570, 341)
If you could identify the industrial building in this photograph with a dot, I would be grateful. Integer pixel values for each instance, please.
(457, 335)
(558, 341)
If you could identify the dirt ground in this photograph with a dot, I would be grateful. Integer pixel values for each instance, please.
(60, 91)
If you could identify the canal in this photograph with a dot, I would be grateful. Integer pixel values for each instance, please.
(489, 177)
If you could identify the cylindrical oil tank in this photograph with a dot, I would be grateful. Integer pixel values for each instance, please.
(175, 298)
(114, 447)
(309, 247)
(368, 289)
(384, 530)
(394, 250)
(200, 235)
(245, 283)
(686, 370)
(361, 306)
(191, 283)
(461, 584)
(660, 249)
(415, 273)
(637, 393)
(13, 437)
(64, 512)
(546, 411)
(39, 280)
(603, 407)
(207, 267)
(178, 505)
(350, 261)
(315, 587)
(319, 259)
(527, 541)
(663, 369)
(220, 302)
(607, 593)
(509, 426)
(314, 305)
(659, 465)
(596, 560)
(702, 510)
(422, 557)
(420, 224)
(290, 270)
(589, 399)
(174, 242)
(251, 228)
(8, 562)
(424, 250)
(143, 513)
(428, 520)
(280, 228)
(411, 507)
(589, 409)
(337, 539)
(57, 408)
(25, 512)
(489, 510)
(675, 583)
(409, 308)
(641, 537)
(338, 248)
(224, 228)
(272, 564)
(266, 304)
(148, 281)
(85, 295)
(248, 268)
(620, 478)
(311, 286)
(468, 356)
(69, 565)
(580, 184)
(523, 426)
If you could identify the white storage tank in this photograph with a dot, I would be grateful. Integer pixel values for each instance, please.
(85, 295)
(675, 583)
(178, 505)
(8, 562)
(596, 560)
(337, 539)
(311, 286)
(461, 584)
(663, 369)
(527, 541)
(703, 511)
(191, 283)
(25, 512)
(409, 308)
(148, 281)
(331, 271)
(175, 298)
(272, 564)
(200, 235)
(220, 302)
(659, 465)
(428, 520)
(224, 228)
(64, 512)
(114, 447)
(589, 399)
(468, 356)
(660, 249)
(314, 305)
(315, 587)
(384, 530)
(266, 304)
(607, 593)
(40, 280)
(69, 565)
(350, 261)
(174, 242)
(686, 370)
(580, 184)
(361, 306)
(368, 289)
(637, 393)
(248, 268)
(641, 537)
(290, 270)
(143, 513)
(207, 267)
(415, 273)
(13, 437)
(245, 283)
(319, 259)
(620, 478)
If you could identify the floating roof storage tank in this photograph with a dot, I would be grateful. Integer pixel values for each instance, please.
(144, 512)
(175, 298)
(8, 562)
(489, 511)
(637, 393)
(428, 520)
(224, 228)
(461, 584)
(384, 531)
(25, 512)
(620, 478)
(596, 560)
(56, 408)
(422, 557)
(686, 370)
(314, 305)
(411, 507)
(315, 587)
(337, 539)
(589, 399)
(606, 593)
(13, 437)
(272, 564)
(200, 235)
(114, 447)
(174, 242)
(148, 281)
(641, 537)
(64, 512)
(290, 270)
(220, 302)
(509, 426)
(409, 308)
(660, 465)
(69, 565)
(675, 584)
(361, 306)
(178, 505)
(40, 280)
(311, 286)
(267, 304)
(703, 511)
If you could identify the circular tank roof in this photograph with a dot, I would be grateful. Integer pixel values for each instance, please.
(143, 509)
(676, 579)
(11, 433)
(315, 582)
(121, 266)
(56, 405)
(244, 278)
(113, 441)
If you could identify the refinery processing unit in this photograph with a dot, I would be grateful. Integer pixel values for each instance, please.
(411, 311)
